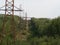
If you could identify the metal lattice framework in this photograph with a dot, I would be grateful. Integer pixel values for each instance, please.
(9, 7)
(9, 11)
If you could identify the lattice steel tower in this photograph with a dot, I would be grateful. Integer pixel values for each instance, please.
(9, 11)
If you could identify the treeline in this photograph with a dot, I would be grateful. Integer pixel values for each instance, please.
(42, 31)
(45, 31)
(45, 27)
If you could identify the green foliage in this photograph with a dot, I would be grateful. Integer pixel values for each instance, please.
(54, 27)
(43, 31)
(39, 26)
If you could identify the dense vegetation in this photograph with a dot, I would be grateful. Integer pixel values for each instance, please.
(42, 31)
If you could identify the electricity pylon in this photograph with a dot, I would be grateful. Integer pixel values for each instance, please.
(9, 11)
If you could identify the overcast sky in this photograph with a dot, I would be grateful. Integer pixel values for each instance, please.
(39, 8)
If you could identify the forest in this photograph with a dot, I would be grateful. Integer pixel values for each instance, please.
(41, 31)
